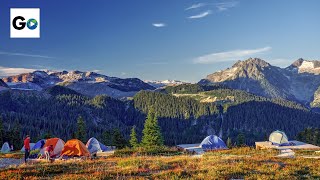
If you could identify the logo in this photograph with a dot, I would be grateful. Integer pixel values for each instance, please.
(25, 23)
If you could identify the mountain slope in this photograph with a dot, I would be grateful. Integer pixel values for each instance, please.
(88, 83)
(3, 85)
(297, 82)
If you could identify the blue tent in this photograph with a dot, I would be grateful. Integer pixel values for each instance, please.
(213, 142)
(39, 144)
(95, 146)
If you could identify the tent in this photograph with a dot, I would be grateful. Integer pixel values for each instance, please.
(74, 147)
(213, 142)
(278, 138)
(95, 146)
(57, 144)
(31, 146)
(5, 148)
(40, 144)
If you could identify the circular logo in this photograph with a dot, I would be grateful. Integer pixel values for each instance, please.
(32, 24)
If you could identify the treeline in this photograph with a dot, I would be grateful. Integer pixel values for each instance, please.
(310, 135)
(40, 114)
(181, 119)
(168, 106)
(191, 88)
(10, 134)
(240, 96)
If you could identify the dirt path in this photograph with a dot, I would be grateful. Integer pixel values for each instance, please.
(6, 162)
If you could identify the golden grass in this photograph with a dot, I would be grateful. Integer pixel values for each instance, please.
(226, 164)
(14, 155)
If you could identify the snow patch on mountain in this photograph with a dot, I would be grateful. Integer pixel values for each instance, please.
(160, 84)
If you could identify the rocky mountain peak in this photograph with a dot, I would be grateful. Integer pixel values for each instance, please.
(305, 66)
(251, 62)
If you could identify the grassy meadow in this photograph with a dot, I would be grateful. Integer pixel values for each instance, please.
(238, 163)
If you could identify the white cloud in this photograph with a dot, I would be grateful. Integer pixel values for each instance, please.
(25, 55)
(7, 71)
(96, 70)
(226, 5)
(196, 6)
(229, 55)
(201, 15)
(158, 25)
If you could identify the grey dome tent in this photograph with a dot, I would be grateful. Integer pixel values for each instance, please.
(212, 142)
(278, 138)
(95, 146)
(5, 148)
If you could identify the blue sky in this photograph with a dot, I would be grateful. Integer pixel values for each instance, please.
(184, 40)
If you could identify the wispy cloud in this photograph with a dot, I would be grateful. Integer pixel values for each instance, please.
(96, 70)
(226, 5)
(196, 6)
(25, 55)
(158, 25)
(7, 71)
(229, 55)
(201, 15)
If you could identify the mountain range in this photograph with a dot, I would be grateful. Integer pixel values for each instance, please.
(87, 83)
(254, 97)
(298, 82)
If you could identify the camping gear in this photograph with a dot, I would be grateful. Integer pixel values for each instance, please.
(5, 148)
(40, 144)
(57, 144)
(75, 148)
(31, 146)
(212, 142)
(95, 146)
(278, 138)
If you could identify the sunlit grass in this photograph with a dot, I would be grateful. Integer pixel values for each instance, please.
(246, 163)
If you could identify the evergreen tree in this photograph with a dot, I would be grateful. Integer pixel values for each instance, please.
(229, 142)
(107, 138)
(15, 137)
(118, 140)
(133, 138)
(1, 131)
(47, 136)
(151, 132)
(81, 130)
(241, 139)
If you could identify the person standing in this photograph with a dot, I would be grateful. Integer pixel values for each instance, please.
(26, 144)
(48, 152)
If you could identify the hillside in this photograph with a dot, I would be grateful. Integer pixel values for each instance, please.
(298, 82)
(183, 119)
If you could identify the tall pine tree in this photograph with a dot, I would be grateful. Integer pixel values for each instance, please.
(1, 131)
(118, 140)
(151, 132)
(229, 142)
(133, 138)
(81, 130)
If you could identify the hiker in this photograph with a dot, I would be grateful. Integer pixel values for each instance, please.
(26, 144)
(11, 148)
(48, 151)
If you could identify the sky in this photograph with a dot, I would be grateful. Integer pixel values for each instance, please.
(164, 39)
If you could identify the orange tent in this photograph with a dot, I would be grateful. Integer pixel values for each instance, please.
(74, 147)
(57, 146)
